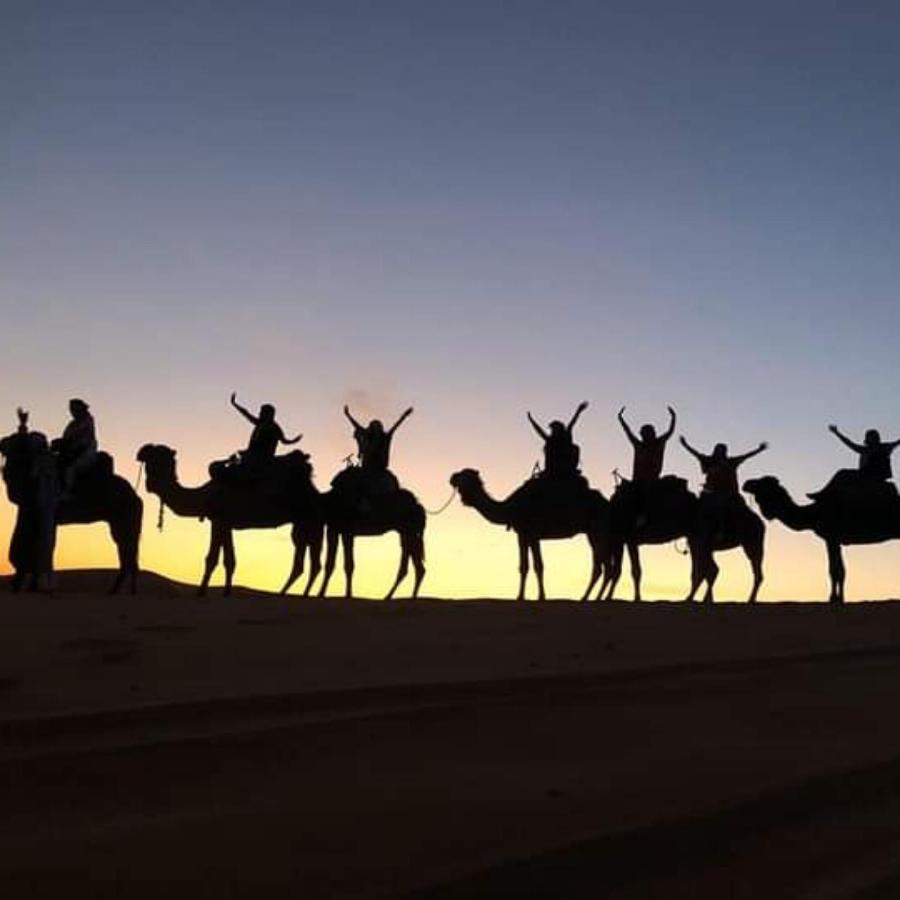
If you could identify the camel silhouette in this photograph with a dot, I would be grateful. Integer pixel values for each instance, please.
(837, 520)
(98, 496)
(347, 518)
(724, 524)
(708, 526)
(665, 516)
(288, 497)
(541, 511)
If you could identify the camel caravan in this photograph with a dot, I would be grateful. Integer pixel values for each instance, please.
(69, 480)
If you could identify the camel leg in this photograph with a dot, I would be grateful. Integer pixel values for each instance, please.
(330, 558)
(755, 550)
(523, 566)
(712, 573)
(228, 559)
(403, 568)
(634, 558)
(299, 541)
(837, 572)
(417, 551)
(349, 563)
(212, 557)
(125, 537)
(538, 558)
(315, 558)
(596, 565)
(698, 567)
(614, 573)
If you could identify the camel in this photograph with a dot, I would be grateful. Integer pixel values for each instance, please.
(536, 512)
(707, 526)
(347, 518)
(289, 498)
(671, 515)
(99, 496)
(835, 521)
(724, 523)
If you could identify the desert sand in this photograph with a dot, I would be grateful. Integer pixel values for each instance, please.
(254, 746)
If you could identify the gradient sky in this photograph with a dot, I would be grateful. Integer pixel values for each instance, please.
(473, 207)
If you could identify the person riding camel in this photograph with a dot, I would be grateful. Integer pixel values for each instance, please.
(649, 449)
(561, 454)
(78, 444)
(265, 437)
(720, 469)
(874, 467)
(373, 444)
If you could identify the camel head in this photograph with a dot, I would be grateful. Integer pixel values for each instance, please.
(160, 463)
(768, 493)
(469, 484)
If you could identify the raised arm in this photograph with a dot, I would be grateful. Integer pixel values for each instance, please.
(293, 440)
(745, 456)
(406, 414)
(628, 432)
(671, 429)
(244, 412)
(350, 418)
(581, 408)
(23, 419)
(543, 434)
(693, 451)
(856, 448)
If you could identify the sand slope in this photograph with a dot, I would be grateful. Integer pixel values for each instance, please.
(260, 747)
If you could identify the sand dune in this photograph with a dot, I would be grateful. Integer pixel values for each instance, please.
(254, 746)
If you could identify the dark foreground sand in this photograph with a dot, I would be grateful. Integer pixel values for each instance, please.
(164, 746)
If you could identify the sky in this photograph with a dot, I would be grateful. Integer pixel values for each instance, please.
(474, 208)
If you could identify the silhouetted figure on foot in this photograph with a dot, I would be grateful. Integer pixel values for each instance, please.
(720, 469)
(264, 439)
(561, 454)
(871, 480)
(77, 447)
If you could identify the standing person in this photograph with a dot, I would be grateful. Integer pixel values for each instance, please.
(561, 454)
(720, 469)
(649, 449)
(78, 444)
(46, 500)
(265, 437)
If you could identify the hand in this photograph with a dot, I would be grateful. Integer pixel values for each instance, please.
(764, 445)
(346, 410)
(408, 412)
(234, 397)
(833, 429)
(671, 411)
(582, 406)
(683, 442)
(621, 412)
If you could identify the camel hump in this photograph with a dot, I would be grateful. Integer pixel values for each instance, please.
(850, 490)
(553, 489)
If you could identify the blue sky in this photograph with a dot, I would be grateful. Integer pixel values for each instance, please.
(478, 208)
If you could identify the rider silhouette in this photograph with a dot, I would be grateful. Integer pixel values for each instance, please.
(561, 454)
(78, 444)
(874, 463)
(373, 442)
(649, 448)
(265, 437)
(720, 469)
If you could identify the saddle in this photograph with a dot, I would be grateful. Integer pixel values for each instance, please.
(854, 492)
(361, 485)
(269, 475)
